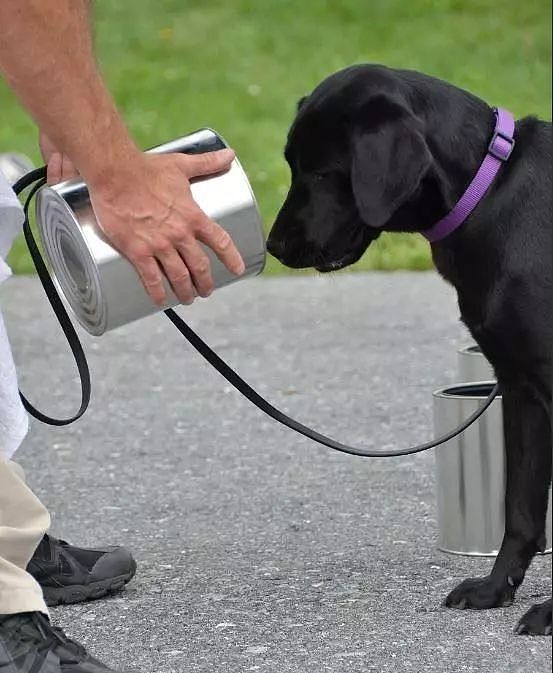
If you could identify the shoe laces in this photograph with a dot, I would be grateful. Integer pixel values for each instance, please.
(35, 629)
(53, 636)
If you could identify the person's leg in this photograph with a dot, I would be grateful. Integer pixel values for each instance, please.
(23, 519)
(28, 642)
(23, 522)
(66, 573)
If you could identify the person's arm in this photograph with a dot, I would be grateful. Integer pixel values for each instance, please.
(46, 56)
(59, 165)
(142, 201)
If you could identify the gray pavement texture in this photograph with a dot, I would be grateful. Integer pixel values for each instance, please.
(257, 550)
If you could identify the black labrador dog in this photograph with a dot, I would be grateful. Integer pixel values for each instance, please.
(374, 149)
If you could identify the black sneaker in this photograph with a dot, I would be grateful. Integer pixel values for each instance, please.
(70, 574)
(29, 644)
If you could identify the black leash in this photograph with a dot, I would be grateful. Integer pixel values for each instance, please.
(38, 179)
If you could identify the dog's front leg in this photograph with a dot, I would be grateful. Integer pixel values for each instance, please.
(527, 427)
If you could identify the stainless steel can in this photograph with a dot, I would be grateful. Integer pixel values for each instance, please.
(101, 286)
(470, 473)
(473, 366)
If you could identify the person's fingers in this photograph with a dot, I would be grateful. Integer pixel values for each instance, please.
(68, 170)
(60, 168)
(199, 266)
(55, 162)
(219, 240)
(151, 277)
(197, 165)
(177, 273)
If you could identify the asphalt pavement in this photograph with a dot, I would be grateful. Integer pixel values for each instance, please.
(258, 550)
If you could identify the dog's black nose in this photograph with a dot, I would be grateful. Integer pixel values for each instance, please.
(276, 247)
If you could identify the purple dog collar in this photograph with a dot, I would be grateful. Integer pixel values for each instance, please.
(499, 151)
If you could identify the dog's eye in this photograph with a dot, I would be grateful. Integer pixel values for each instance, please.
(321, 175)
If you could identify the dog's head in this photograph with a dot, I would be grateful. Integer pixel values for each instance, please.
(357, 154)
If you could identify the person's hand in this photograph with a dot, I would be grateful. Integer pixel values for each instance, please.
(146, 210)
(59, 165)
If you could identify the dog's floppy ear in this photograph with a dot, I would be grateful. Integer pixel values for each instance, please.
(390, 158)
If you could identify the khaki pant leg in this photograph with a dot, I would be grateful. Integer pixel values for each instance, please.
(23, 522)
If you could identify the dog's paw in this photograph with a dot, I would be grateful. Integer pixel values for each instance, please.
(536, 622)
(481, 593)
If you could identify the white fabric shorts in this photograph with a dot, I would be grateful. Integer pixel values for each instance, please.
(13, 418)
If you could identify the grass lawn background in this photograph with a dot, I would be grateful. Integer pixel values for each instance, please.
(240, 66)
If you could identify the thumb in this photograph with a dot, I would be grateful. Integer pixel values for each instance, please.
(196, 165)
(55, 164)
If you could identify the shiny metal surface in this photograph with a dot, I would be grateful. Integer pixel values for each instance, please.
(101, 287)
(473, 366)
(470, 473)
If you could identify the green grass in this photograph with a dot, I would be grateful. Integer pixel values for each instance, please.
(240, 65)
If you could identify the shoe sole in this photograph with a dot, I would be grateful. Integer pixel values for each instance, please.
(90, 592)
